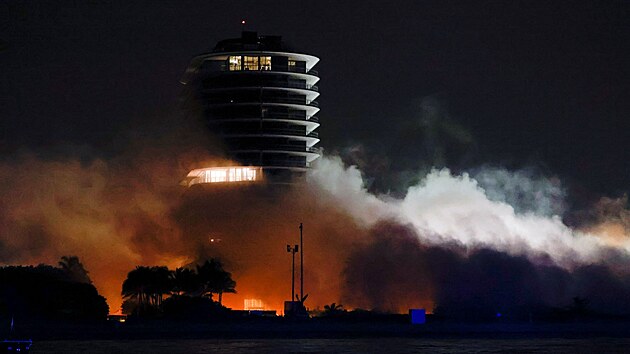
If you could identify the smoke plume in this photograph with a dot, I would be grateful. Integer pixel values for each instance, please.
(452, 244)
(450, 241)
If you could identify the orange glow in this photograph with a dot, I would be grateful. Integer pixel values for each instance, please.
(223, 175)
(117, 215)
(253, 304)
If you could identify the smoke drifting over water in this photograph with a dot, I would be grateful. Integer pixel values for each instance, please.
(444, 208)
(451, 243)
(447, 242)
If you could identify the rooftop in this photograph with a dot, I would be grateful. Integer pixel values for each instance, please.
(251, 41)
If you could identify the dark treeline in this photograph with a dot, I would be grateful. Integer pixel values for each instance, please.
(64, 292)
(180, 293)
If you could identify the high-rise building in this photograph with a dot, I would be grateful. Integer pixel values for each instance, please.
(261, 98)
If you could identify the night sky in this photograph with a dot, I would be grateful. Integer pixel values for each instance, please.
(405, 85)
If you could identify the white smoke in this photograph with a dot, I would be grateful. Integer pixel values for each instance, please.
(523, 189)
(445, 208)
(346, 187)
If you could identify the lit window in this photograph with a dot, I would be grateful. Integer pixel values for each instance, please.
(265, 63)
(235, 63)
(250, 174)
(250, 63)
(225, 174)
(218, 176)
(292, 65)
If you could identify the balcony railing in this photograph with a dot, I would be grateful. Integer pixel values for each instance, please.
(279, 84)
(277, 148)
(315, 150)
(274, 68)
(285, 163)
(269, 116)
(289, 100)
(272, 131)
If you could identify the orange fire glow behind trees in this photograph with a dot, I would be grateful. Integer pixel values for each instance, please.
(132, 211)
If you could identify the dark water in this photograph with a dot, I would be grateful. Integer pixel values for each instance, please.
(363, 345)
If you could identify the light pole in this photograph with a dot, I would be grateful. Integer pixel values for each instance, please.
(292, 250)
(301, 266)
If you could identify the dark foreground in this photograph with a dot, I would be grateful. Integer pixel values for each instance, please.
(279, 328)
(339, 345)
(278, 335)
(314, 336)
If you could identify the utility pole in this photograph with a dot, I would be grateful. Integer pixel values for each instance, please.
(292, 250)
(301, 266)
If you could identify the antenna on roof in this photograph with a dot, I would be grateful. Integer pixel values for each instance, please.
(242, 25)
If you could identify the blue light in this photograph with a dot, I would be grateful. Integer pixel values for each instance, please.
(498, 314)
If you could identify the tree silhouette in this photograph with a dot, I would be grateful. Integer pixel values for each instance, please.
(333, 309)
(147, 285)
(75, 270)
(185, 282)
(44, 291)
(214, 279)
(161, 283)
(224, 284)
(144, 289)
(136, 287)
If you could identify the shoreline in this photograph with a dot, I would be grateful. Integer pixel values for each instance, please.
(274, 329)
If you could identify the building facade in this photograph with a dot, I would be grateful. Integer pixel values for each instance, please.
(261, 99)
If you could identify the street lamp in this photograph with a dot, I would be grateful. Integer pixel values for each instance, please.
(301, 266)
(293, 250)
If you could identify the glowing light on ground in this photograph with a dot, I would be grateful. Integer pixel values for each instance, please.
(253, 304)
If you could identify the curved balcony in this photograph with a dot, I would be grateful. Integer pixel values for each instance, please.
(310, 141)
(285, 163)
(193, 68)
(274, 69)
(278, 115)
(309, 109)
(261, 93)
(245, 100)
(264, 84)
(273, 131)
(311, 153)
(310, 125)
(223, 54)
(307, 76)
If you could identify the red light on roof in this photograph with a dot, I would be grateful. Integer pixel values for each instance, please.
(243, 22)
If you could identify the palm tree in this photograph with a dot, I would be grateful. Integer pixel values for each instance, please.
(224, 284)
(333, 309)
(147, 285)
(185, 281)
(161, 282)
(72, 266)
(136, 287)
(214, 279)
